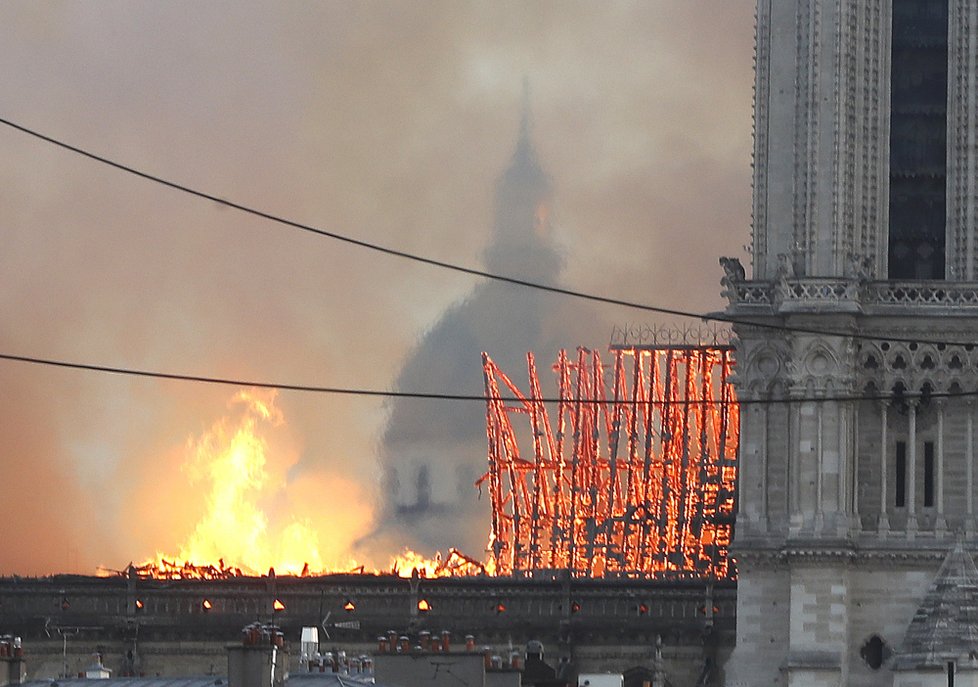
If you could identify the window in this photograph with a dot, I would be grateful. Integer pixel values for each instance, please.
(875, 652)
(918, 139)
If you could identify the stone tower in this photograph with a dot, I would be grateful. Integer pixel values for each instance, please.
(857, 467)
(432, 452)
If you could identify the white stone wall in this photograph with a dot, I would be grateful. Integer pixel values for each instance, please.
(763, 600)
(820, 127)
(883, 599)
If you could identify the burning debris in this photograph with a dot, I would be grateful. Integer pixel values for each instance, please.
(455, 564)
(171, 570)
(638, 482)
(629, 472)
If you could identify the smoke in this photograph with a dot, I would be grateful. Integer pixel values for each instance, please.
(434, 450)
(387, 121)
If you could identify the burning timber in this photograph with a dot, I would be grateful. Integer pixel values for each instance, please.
(632, 478)
(456, 564)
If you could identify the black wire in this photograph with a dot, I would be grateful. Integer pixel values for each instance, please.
(460, 268)
(346, 391)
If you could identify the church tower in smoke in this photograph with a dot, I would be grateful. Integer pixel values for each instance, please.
(522, 242)
(433, 451)
(857, 454)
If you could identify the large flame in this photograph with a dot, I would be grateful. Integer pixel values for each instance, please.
(256, 519)
(243, 484)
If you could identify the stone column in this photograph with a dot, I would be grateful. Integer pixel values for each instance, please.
(762, 462)
(819, 465)
(884, 521)
(745, 460)
(969, 461)
(843, 521)
(794, 466)
(855, 519)
(940, 523)
(912, 470)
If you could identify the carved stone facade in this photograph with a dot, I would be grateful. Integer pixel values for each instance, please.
(858, 429)
(821, 135)
(857, 467)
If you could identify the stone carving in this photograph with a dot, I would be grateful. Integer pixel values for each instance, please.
(861, 267)
(883, 365)
(733, 270)
(786, 269)
(733, 276)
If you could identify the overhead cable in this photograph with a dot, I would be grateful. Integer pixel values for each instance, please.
(607, 300)
(347, 391)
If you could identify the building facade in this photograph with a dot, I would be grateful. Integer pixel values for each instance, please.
(857, 337)
(163, 627)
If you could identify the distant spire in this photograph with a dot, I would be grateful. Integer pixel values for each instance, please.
(525, 157)
(526, 123)
(522, 238)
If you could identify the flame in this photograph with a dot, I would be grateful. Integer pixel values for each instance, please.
(234, 462)
(457, 564)
(246, 527)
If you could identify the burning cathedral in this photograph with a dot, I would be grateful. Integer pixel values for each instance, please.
(856, 356)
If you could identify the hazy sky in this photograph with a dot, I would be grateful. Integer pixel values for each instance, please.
(386, 121)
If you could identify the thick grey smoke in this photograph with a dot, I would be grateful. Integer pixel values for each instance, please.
(433, 451)
(388, 121)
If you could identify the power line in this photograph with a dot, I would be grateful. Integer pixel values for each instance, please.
(386, 250)
(347, 391)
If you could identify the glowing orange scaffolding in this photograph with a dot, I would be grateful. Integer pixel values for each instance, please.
(630, 471)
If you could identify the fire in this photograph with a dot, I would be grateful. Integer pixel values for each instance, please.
(239, 469)
(244, 528)
(457, 564)
(631, 473)
(233, 462)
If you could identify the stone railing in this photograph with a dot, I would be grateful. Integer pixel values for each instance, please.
(940, 294)
(715, 334)
(816, 290)
(794, 293)
(835, 293)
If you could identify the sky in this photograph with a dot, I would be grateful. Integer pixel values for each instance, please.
(385, 121)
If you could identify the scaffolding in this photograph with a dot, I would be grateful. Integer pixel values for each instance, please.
(629, 471)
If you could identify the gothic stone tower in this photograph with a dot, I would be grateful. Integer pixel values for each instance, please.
(866, 165)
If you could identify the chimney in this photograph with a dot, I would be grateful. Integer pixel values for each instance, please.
(13, 668)
(260, 660)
